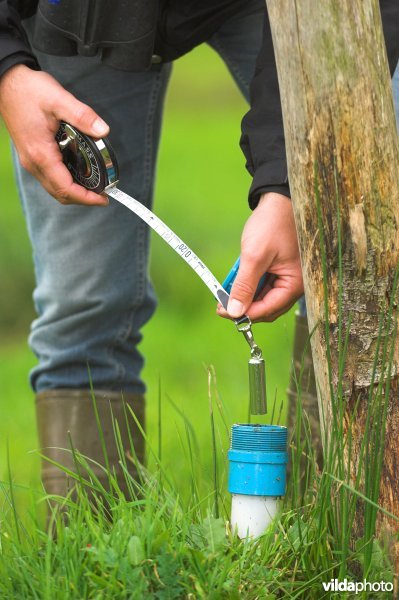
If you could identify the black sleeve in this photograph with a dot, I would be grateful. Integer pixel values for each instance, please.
(390, 25)
(14, 46)
(262, 139)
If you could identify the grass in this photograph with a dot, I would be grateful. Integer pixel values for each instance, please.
(161, 544)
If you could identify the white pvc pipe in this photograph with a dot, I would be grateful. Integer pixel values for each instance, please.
(251, 515)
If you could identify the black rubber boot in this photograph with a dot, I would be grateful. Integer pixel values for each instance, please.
(302, 359)
(66, 416)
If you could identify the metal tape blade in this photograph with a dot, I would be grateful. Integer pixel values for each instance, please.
(174, 242)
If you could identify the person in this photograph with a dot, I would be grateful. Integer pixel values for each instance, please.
(92, 292)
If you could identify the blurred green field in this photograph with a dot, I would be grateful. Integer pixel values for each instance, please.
(201, 193)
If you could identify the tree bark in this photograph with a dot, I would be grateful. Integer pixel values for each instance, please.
(340, 128)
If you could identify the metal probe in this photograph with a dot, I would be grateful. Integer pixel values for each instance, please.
(256, 369)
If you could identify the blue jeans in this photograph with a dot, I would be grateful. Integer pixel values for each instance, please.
(93, 292)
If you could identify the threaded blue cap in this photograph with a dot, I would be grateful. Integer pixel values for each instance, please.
(259, 438)
(258, 458)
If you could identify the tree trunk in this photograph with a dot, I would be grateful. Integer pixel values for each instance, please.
(340, 130)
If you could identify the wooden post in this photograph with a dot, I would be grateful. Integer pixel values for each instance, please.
(340, 124)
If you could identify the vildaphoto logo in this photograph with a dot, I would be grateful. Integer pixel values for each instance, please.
(335, 585)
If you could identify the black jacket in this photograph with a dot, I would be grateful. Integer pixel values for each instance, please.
(262, 139)
(130, 34)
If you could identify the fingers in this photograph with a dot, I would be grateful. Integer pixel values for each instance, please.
(33, 131)
(258, 313)
(277, 301)
(244, 287)
(55, 178)
(58, 182)
(79, 115)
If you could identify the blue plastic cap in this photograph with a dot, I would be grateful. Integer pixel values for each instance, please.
(258, 459)
(228, 282)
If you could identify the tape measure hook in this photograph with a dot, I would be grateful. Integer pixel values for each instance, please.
(244, 326)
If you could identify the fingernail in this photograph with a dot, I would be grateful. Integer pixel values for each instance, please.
(100, 127)
(235, 308)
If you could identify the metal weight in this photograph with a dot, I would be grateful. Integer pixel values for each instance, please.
(257, 386)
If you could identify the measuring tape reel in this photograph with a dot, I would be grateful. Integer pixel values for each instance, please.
(92, 163)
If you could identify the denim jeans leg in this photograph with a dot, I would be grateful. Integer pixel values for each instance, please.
(93, 292)
(238, 42)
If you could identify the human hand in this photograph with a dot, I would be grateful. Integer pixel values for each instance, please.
(32, 104)
(269, 243)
